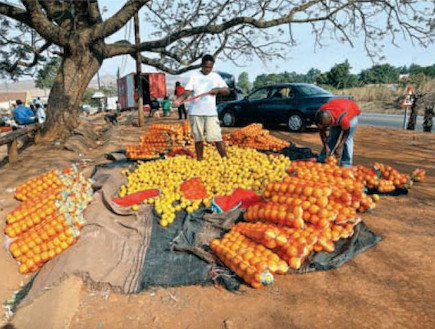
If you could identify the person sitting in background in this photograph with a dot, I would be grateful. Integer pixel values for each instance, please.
(22, 114)
(40, 113)
(154, 106)
(38, 101)
(166, 106)
(33, 109)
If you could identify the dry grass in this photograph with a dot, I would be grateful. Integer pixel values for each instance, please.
(383, 98)
(373, 93)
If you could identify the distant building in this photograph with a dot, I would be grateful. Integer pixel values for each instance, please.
(8, 98)
(403, 76)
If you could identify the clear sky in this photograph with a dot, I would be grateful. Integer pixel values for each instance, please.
(299, 58)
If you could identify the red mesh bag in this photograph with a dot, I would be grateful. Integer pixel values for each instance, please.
(136, 198)
(239, 198)
(193, 189)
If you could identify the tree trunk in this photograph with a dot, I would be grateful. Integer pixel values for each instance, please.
(63, 108)
(413, 116)
(428, 118)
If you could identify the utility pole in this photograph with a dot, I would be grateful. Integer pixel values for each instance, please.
(138, 71)
(98, 80)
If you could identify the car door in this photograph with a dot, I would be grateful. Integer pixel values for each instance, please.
(276, 107)
(249, 110)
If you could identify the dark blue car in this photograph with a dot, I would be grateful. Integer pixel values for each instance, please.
(294, 104)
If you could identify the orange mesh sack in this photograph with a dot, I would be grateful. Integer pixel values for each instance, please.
(193, 189)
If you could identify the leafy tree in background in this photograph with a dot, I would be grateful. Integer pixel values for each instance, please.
(287, 77)
(268, 79)
(378, 74)
(312, 75)
(183, 31)
(430, 71)
(340, 77)
(45, 76)
(415, 69)
(243, 83)
(110, 90)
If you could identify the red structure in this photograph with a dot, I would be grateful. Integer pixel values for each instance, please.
(154, 85)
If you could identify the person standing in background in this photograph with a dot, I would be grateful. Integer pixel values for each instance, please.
(40, 113)
(179, 89)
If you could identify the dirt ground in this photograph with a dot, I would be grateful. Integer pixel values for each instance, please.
(388, 286)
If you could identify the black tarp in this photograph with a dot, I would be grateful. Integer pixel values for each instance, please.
(166, 264)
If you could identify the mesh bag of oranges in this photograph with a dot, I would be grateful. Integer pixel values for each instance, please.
(49, 219)
(239, 198)
(193, 189)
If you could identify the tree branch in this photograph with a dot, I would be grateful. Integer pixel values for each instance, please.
(159, 65)
(117, 21)
(261, 24)
(18, 14)
(36, 53)
(43, 25)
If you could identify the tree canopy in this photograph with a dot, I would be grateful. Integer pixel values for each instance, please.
(185, 30)
(243, 83)
(32, 31)
(339, 76)
(45, 76)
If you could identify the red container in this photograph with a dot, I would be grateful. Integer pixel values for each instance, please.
(153, 85)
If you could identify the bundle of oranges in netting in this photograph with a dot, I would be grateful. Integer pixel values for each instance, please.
(193, 189)
(49, 219)
(308, 211)
(305, 212)
(159, 139)
(254, 136)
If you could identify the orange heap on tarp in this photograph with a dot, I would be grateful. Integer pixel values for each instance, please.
(164, 138)
(159, 139)
(254, 136)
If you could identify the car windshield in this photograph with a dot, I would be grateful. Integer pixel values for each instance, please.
(259, 94)
(309, 90)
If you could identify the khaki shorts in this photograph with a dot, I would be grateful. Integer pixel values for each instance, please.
(208, 124)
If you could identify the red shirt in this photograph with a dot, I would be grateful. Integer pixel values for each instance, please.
(179, 90)
(342, 111)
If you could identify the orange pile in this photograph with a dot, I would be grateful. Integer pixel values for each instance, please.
(254, 136)
(346, 192)
(251, 261)
(48, 222)
(307, 211)
(418, 175)
(384, 178)
(392, 175)
(159, 139)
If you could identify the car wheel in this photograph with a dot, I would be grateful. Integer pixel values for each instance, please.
(295, 122)
(229, 119)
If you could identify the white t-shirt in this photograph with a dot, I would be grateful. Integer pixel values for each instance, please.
(200, 83)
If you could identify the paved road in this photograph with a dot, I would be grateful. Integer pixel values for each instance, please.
(387, 120)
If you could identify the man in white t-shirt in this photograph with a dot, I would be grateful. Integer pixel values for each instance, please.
(202, 111)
